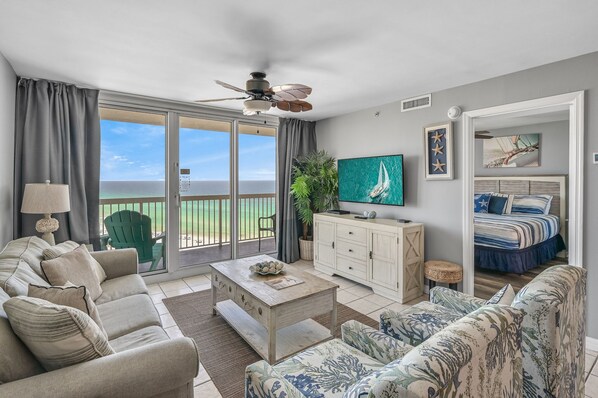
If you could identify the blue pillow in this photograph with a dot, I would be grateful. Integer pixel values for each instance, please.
(481, 202)
(497, 205)
(531, 204)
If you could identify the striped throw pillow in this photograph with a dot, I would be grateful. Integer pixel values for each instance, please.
(57, 335)
(531, 204)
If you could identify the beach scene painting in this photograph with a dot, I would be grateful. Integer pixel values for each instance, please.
(377, 179)
(512, 151)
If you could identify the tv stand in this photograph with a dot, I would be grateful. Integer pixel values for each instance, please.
(381, 253)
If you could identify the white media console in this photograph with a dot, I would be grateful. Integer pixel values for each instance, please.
(384, 254)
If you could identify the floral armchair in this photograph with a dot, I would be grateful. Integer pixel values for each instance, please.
(553, 328)
(478, 355)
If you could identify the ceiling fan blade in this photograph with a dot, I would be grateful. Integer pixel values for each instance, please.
(294, 106)
(483, 137)
(249, 113)
(222, 99)
(230, 86)
(483, 132)
(290, 92)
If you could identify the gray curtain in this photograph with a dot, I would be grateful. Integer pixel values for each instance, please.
(57, 138)
(295, 138)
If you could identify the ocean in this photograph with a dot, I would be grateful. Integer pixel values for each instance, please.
(144, 189)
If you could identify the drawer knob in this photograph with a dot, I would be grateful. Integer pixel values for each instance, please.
(350, 232)
(243, 298)
(350, 267)
(259, 310)
(350, 250)
(230, 289)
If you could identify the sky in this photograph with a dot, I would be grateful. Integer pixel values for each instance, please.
(136, 152)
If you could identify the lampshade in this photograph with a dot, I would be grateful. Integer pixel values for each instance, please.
(46, 198)
(255, 105)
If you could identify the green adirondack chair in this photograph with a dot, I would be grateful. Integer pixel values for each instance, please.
(131, 229)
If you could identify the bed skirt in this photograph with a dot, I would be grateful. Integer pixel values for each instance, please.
(518, 261)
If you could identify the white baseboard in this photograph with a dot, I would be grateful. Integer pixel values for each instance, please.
(591, 344)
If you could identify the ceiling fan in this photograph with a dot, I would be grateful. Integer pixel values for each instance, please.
(483, 135)
(260, 97)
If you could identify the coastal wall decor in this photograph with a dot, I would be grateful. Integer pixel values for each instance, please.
(512, 151)
(438, 144)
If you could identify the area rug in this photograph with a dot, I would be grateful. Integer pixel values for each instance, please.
(223, 353)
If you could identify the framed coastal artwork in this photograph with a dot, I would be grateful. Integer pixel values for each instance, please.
(438, 145)
(512, 151)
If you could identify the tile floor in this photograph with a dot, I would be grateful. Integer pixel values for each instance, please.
(356, 296)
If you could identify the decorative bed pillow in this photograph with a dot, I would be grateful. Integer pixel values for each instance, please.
(531, 204)
(498, 204)
(481, 202)
(78, 267)
(57, 335)
(505, 296)
(509, 206)
(60, 249)
(71, 296)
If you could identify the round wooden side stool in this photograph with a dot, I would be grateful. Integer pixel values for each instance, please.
(444, 272)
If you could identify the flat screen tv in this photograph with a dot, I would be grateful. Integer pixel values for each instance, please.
(376, 179)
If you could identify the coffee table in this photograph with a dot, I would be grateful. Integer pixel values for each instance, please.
(275, 323)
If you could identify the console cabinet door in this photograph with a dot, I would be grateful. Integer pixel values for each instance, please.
(383, 259)
(324, 236)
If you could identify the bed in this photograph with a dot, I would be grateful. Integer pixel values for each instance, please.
(517, 243)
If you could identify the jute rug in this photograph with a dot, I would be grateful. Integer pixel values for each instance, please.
(222, 351)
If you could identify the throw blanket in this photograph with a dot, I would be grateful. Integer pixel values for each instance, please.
(514, 231)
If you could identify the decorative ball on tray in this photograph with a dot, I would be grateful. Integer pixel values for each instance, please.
(267, 268)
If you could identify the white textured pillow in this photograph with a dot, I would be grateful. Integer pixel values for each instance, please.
(57, 335)
(60, 249)
(505, 296)
(78, 267)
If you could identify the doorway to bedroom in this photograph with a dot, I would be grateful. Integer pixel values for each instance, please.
(524, 182)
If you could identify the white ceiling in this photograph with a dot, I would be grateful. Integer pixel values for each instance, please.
(355, 54)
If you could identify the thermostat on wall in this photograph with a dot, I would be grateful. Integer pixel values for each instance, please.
(595, 157)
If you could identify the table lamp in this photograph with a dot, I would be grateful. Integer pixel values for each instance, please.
(46, 199)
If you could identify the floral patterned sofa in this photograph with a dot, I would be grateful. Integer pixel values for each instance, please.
(553, 328)
(478, 355)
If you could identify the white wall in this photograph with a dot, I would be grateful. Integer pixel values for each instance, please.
(438, 204)
(8, 84)
(554, 150)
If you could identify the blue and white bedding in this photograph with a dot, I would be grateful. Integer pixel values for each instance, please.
(513, 231)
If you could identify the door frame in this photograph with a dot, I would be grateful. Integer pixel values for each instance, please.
(574, 102)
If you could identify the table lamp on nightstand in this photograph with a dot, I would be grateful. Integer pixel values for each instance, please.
(46, 199)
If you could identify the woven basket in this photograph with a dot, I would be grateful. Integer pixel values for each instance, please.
(306, 249)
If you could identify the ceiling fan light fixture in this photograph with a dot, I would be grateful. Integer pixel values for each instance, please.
(256, 105)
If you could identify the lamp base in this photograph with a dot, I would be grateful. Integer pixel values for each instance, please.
(46, 226)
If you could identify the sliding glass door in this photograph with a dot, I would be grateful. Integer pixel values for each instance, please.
(203, 187)
(132, 185)
(257, 188)
(205, 190)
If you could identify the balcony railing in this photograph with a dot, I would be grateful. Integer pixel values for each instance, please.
(204, 220)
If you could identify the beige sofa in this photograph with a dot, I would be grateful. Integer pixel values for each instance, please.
(147, 363)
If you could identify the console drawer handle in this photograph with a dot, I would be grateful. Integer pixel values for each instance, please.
(243, 298)
(350, 250)
(259, 310)
(230, 289)
(350, 267)
(350, 232)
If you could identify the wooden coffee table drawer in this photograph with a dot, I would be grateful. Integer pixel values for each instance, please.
(253, 307)
(225, 285)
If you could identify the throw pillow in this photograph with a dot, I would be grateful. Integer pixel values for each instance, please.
(60, 249)
(78, 267)
(69, 246)
(505, 296)
(531, 204)
(498, 204)
(69, 295)
(57, 335)
(509, 200)
(481, 202)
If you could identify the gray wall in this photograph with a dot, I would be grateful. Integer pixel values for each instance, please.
(554, 147)
(8, 81)
(438, 204)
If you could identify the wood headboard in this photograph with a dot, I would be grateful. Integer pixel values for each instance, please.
(530, 185)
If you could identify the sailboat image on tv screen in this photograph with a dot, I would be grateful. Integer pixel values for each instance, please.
(512, 151)
(383, 185)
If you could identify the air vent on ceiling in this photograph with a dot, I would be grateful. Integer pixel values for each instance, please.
(411, 104)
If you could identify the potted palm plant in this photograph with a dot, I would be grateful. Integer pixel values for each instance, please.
(315, 189)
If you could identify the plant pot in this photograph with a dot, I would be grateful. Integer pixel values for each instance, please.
(306, 249)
